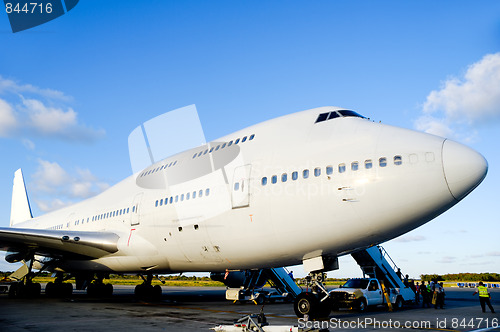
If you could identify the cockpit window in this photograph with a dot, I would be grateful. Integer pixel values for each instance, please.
(351, 113)
(335, 114)
(322, 117)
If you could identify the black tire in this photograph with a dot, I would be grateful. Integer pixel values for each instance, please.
(362, 305)
(13, 290)
(399, 303)
(324, 308)
(156, 293)
(50, 290)
(34, 290)
(108, 290)
(66, 289)
(306, 304)
(261, 299)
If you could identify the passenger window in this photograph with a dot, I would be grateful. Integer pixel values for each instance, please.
(194, 194)
(329, 170)
(317, 171)
(295, 175)
(161, 202)
(200, 194)
(237, 141)
(176, 198)
(341, 168)
(251, 137)
(368, 164)
(284, 177)
(128, 210)
(217, 148)
(171, 199)
(205, 152)
(223, 146)
(274, 179)
(305, 173)
(194, 156)
(207, 192)
(156, 204)
(354, 166)
(211, 149)
(244, 139)
(236, 186)
(382, 162)
(264, 181)
(230, 143)
(398, 160)
(182, 197)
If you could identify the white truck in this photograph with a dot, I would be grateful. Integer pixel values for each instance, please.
(360, 293)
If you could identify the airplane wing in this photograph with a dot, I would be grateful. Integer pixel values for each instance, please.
(58, 243)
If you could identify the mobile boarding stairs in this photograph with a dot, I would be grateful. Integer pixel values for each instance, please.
(375, 262)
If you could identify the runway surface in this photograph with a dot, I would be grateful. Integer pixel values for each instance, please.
(199, 309)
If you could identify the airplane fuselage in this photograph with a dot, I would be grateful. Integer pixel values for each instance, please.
(274, 194)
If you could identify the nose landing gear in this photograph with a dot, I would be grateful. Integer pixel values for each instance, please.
(315, 303)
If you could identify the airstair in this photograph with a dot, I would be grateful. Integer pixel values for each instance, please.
(375, 262)
(251, 290)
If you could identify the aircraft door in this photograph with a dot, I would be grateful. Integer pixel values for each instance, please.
(240, 189)
(136, 209)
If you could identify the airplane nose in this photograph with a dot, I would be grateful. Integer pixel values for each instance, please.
(464, 168)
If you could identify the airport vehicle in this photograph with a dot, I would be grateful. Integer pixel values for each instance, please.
(360, 293)
(302, 188)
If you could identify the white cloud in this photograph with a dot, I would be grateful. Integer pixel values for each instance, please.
(40, 112)
(8, 120)
(463, 103)
(410, 238)
(10, 86)
(447, 260)
(28, 144)
(49, 120)
(50, 179)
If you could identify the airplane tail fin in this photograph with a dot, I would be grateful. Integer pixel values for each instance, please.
(20, 209)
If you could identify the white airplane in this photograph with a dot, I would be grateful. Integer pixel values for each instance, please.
(304, 188)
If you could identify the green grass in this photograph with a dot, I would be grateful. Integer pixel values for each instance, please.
(135, 280)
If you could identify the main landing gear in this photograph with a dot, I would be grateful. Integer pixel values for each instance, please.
(146, 291)
(316, 302)
(59, 288)
(97, 288)
(25, 288)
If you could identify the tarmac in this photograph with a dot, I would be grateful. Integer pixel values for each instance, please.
(199, 309)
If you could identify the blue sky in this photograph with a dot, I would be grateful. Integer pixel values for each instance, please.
(73, 89)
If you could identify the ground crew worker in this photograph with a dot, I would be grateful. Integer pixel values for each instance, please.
(484, 297)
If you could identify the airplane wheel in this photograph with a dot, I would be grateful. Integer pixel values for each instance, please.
(156, 293)
(306, 304)
(33, 289)
(50, 289)
(139, 291)
(66, 289)
(13, 290)
(324, 308)
(108, 290)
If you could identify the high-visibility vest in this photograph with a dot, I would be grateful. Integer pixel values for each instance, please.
(483, 291)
